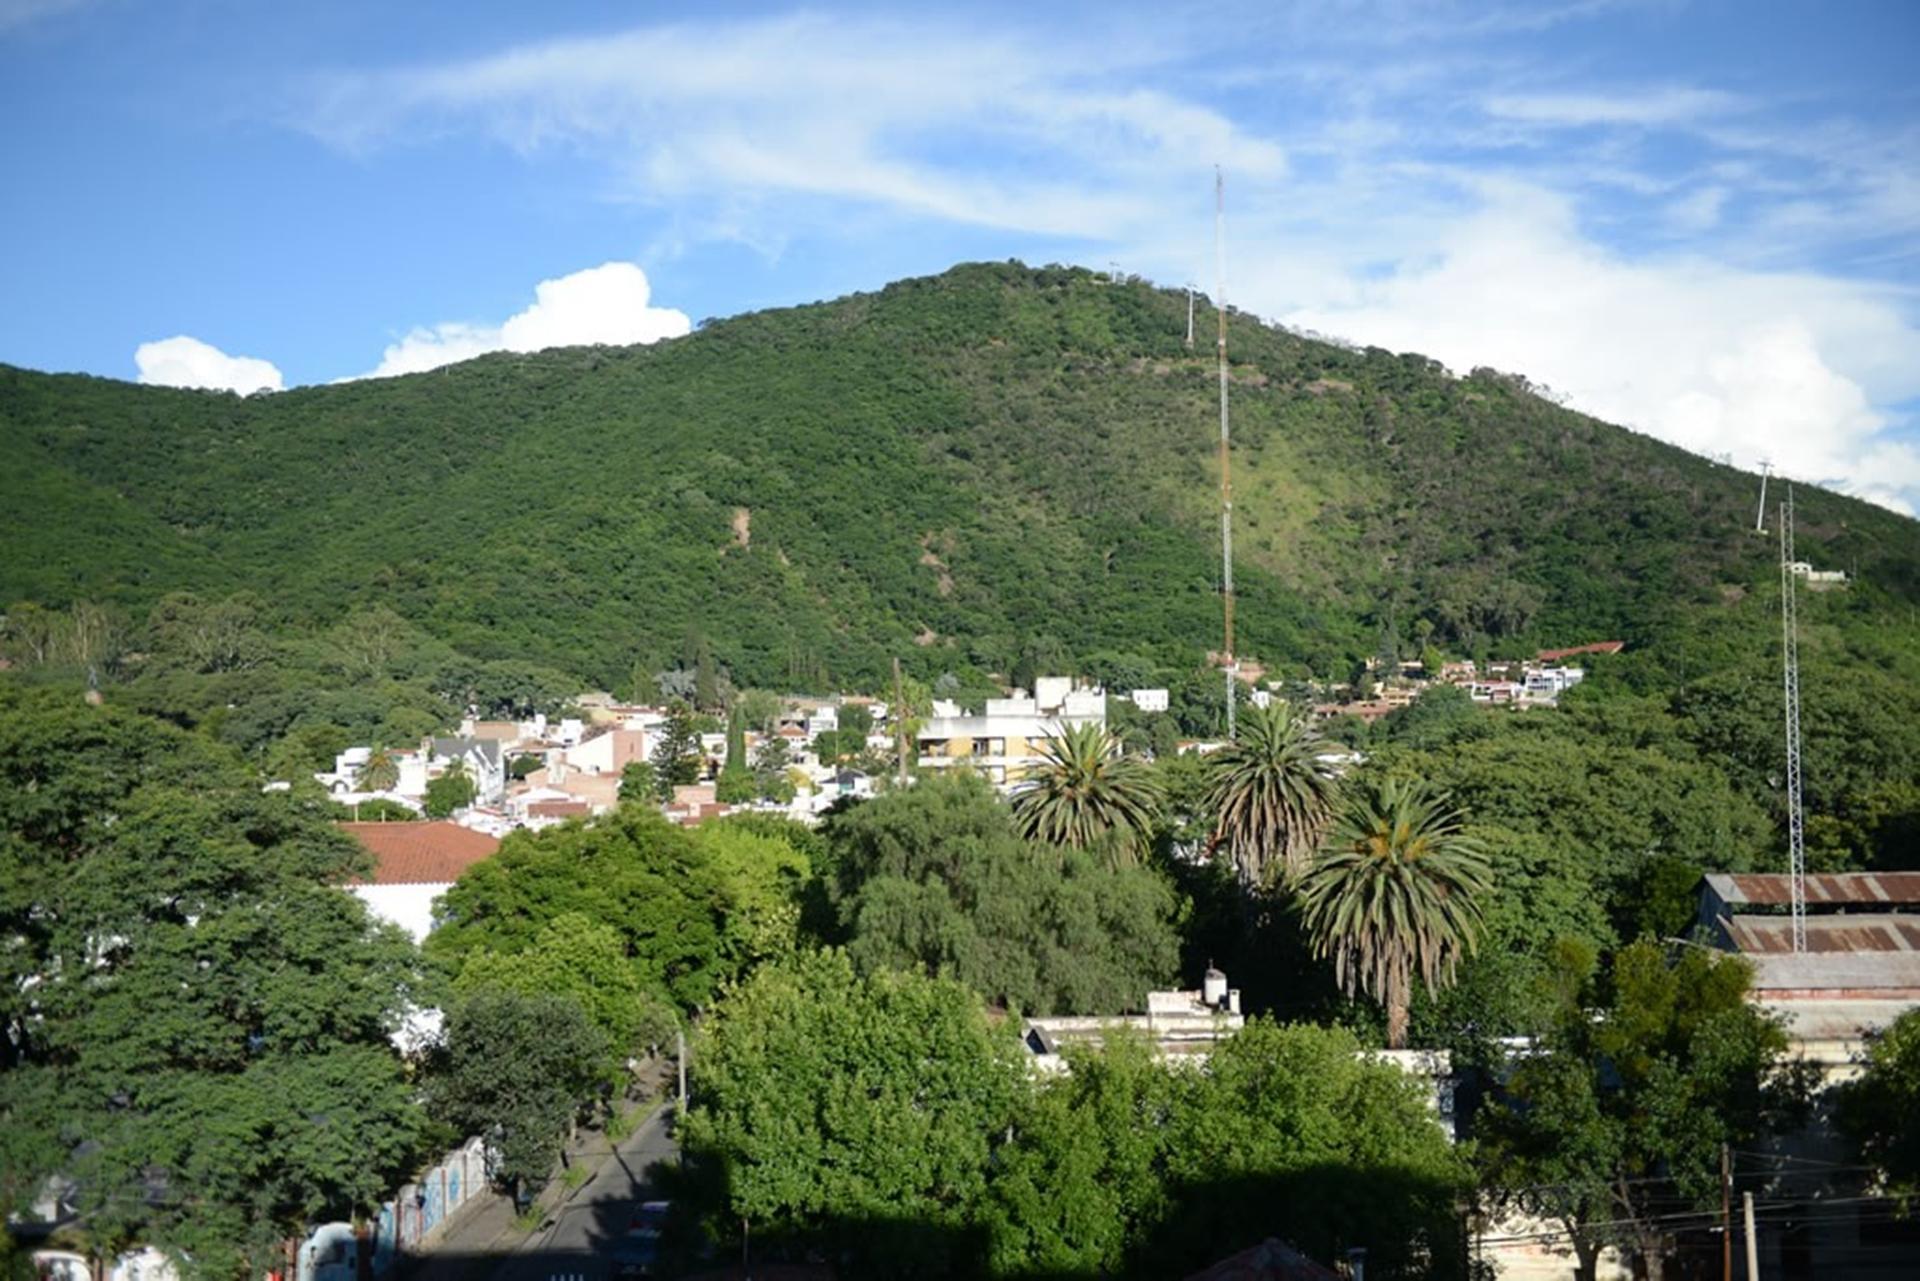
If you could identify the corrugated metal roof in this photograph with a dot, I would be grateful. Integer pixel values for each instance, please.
(1823, 888)
(1841, 976)
(1855, 932)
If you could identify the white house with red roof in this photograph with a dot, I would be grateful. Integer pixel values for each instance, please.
(414, 864)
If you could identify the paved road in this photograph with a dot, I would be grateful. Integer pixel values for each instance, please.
(574, 1246)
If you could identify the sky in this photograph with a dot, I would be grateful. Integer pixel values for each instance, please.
(1699, 220)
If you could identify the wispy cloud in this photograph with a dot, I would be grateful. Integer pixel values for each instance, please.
(1668, 106)
(18, 13)
(1445, 196)
(978, 129)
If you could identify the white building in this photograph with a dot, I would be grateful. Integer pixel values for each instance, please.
(1183, 1026)
(610, 751)
(1006, 740)
(414, 864)
(1545, 684)
(343, 783)
(1149, 700)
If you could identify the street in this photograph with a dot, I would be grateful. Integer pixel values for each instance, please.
(578, 1233)
(584, 1227)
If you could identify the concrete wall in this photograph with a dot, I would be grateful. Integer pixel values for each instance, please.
(408, 906)
(416, 1216)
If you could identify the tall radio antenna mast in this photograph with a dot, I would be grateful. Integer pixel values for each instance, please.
(1790, 676)
(1232, 664)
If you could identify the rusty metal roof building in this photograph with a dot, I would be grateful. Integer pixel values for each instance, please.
(1861, 966)
(1838, 890)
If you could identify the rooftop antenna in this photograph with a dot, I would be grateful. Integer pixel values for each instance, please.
(1760, 516)
(1232, 665)
(1790, 654)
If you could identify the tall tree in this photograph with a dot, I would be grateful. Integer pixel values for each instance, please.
(1611, 1123)
(676, 755)
(515, 1066)
(197, 1016)
(639, 783)
(452, 790)
(1273, 794)
(1878, 1109)
(380, 772)
(735, 784)
(1086, 793)
(1395, 895)
(933, 876)
(696, 656)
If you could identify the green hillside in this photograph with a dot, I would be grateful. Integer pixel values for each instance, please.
(960, 470)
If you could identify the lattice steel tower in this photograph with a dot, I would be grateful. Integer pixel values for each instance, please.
(1231, 664)
(1790, 679)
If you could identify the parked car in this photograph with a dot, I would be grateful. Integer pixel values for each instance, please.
(637, 1254)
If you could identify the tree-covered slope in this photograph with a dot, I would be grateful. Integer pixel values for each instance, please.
(961, 470)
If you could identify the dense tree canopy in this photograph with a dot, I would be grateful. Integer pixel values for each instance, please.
(934, 877)
(631, 870)
(863, 1110)
(888, 1122)
(514, 1065)
(196, 1015)
(1878, 1109)
(1617, 1116)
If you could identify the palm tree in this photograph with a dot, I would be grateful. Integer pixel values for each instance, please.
(381, 773)
(1086, 792)
(1395, 892)
(1273, 794)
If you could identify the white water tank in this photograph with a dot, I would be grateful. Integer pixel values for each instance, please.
(1213, 989)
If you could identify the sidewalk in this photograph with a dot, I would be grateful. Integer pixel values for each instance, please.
(485, 1232)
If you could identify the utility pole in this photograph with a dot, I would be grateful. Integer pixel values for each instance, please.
(680, 1057)
(1189, 317)
(1232, 664)
(1753, 1245)
(899, 723)
(1760, 517)
(1726, 1213)
(1790, 681)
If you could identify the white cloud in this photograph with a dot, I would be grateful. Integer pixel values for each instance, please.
(1411, 193)
(187, 362)
(1653, 107)
(840, 108)
(607, 304)
(1712, 358)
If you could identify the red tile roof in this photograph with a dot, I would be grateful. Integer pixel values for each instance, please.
(1598, 647)
(421, 853)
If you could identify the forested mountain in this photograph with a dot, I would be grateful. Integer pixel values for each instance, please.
(995, 463)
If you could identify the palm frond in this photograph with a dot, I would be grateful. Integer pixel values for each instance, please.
(1274, 793)
(1086, 793)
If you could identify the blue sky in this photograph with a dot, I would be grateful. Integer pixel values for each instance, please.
(1701, 220)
